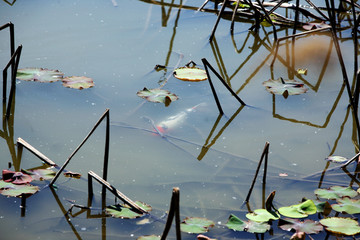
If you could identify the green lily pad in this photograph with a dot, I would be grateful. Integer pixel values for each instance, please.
(78, 82)
(347, 205)
(157, 95)
(40, 174)
(284, 87)
(299, 210)
(237, 224)
(15, 190)
(336, 159)
(345, 226)
(126, 212)
(149, 237)
(262, 215)
(39, 75)
(323, 207)
(335, 192)
(196, 225)
(308, 226)
(16, 177)
(192, 74)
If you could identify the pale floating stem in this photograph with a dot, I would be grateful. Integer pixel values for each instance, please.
(22, 143)
(291, 36)
(264, 154)
(174, 212)
(218, 20)
(106, 114)
(114, 191)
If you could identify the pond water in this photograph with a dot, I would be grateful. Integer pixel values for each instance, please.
(119, 47)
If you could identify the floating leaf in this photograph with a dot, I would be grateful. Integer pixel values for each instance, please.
(346, 226)
(347, 205)
(262, 215)
(312, 26)
(39, 75)
(149, 237)
(308, 226)
(40, 174)
(196, 225)
(323, 207)
(16, 177)
(299, 210)
(335, 192)
(203, 237)
(126, 212)
(15, 190)
(78, 82)
(302, 71)
(70, 174)
(237, 224)
(157, 95)
(336, 159)
(287, 87)
(193, 74)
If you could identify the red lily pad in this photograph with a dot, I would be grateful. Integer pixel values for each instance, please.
(312, 26)
(16, 177)
(78, 82)
(284, 87)
(39, 75)
(308, 226)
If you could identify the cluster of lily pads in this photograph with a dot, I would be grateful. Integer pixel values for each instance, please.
(47, 75)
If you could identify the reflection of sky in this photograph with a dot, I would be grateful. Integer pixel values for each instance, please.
(118, 48)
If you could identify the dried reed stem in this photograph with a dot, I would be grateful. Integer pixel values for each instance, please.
(174, 211)
(22, 143)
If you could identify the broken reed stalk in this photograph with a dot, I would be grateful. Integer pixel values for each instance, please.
(296, 16)
(174, 212)
(22, 143)
(206, 65)
(267, 17)
(10, 25)
(218, 20)
(264, 154)
(106, 114)
(233, 16)
(113, 190)
(292, 36)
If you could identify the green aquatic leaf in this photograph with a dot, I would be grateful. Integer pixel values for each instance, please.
(262, 215)
(299, 210)
(192, 74)
(39, 75)
(196, 225)
(336, 159)
(40, 174)
(77, 82)
(347, 205)
(345, 226)
(235, 223)
(149, 237)
(126, 212)
(323, 207)
(308, 226)
(281, 86)
(157, 95)
(15, 190)
(335, 192)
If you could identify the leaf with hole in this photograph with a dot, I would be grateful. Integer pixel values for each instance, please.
(77, 82)
(308, 226)
(192, 74)
(299, 210)
(40, 174)
(39, 75)
(338, 225)
(335, 192)
(157, 95)
(16, 177)
(236, 224)
(287, 87)
(15, 190)
(196, 225)
(262, 215)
